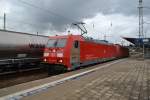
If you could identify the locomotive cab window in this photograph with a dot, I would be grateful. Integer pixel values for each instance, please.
(56, 43)
(76, 44)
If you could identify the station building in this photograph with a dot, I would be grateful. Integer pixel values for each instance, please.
(141, 43)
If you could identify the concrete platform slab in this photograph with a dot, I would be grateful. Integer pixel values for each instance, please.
(125, 80)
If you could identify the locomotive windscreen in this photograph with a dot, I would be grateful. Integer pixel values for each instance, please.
(56, 43)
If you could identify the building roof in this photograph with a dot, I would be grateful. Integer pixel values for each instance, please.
(138, 41)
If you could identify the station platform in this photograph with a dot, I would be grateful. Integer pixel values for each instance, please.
(125, 79)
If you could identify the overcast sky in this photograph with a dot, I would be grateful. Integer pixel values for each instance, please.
(115, 18)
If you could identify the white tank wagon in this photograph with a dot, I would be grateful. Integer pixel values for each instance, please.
(21, 48)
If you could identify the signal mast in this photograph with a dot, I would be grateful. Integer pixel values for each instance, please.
(141, 22)
(141, 35)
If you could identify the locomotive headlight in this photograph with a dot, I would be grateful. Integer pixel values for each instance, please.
(53, 50)
(45, 60)
(60, 61)
(46, 54)
(60, 55)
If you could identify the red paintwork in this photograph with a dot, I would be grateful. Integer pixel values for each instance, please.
(65, 50)
(88, 51)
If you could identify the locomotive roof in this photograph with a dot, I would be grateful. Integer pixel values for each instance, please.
(97, 41)
(67, 36)
(22, 33)
(89, 39)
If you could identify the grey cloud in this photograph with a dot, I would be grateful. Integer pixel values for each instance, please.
(70, 9)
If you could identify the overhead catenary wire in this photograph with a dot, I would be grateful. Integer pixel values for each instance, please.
(12, 26)
(23, 22)
(20, 22)
(145, 22)
(46, 10)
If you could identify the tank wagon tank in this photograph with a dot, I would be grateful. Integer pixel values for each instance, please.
(20, 48)
(72, 51)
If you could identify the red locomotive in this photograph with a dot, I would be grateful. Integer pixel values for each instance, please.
(72, 51)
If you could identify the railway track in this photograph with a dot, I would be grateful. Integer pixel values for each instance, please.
(70, 76)
(21, 76)
(126, 80)
(19, 71)
(26, 75)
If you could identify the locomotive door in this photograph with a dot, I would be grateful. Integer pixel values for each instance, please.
(75, 54)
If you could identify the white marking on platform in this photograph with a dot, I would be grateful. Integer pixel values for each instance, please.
(38, 89)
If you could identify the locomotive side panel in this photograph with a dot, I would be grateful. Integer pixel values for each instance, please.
(122, 51)
(97, 51)
(94, 52)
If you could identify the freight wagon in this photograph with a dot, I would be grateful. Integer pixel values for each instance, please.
(72, 51)
(18, 48)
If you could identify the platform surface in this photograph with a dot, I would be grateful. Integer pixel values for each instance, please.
(128, 79)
